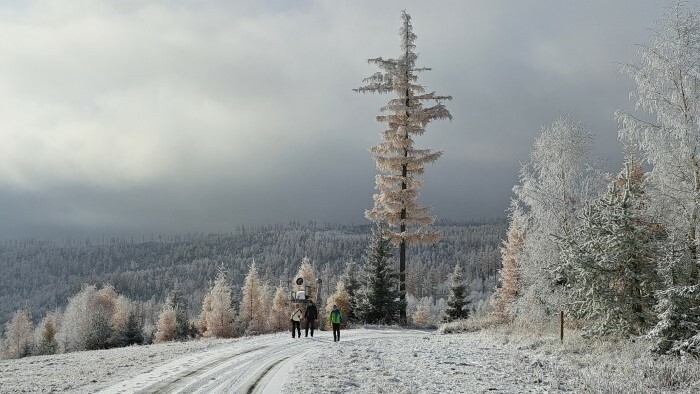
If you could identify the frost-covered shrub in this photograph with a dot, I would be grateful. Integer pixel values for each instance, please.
(18, 335)
(166, 329)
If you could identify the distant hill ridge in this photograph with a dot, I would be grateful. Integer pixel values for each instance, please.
(44, 274)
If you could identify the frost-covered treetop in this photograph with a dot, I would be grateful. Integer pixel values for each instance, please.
(398, 161)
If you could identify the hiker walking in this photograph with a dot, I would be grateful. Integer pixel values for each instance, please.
(311, 314)
(296, 321)
(335, 318)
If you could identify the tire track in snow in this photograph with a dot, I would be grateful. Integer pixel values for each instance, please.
(171, 385)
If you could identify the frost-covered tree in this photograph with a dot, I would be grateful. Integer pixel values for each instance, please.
(252, 309)
(667, 75)
(379, 299)
(308, 273)
(180, 304)
(610, 261)
(166, 328)
(18, 334)
(426, 311)
(457, 301)
(511, 253)
(341, 299)
(132, 334)
(120, 315)
(351, 280)
(76, 320)
(45, 336)
(218, 310)
(678, 328)
(279, 312)
(399, 162)
(100, 332)
(553, 188)
(421, 316)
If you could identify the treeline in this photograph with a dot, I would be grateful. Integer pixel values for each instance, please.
(618, 253)
(101, 318)
(42, 276)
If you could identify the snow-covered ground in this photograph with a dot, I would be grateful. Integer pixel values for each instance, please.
(370, 360)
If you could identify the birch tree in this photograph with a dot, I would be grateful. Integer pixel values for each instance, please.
(18, 336)
(667, 75)
(399, 162)
(553, 188)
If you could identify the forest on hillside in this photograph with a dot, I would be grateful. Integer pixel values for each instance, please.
(43, 275)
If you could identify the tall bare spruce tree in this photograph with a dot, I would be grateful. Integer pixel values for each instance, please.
(398, 161)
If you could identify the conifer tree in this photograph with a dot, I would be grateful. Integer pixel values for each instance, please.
(341, 299)
(508, 275)
(351, 280)
(180, 304)
(279, 319)
(252, 312)
(218, 311)
(100, 332)
(378, 299)
(610, 262)
(457, 301)
(678, 329)
(399, 162)
(133, 334)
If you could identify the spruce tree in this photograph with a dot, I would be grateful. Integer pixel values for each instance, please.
(180, 304)
(401, 164)
(100, 332)
(678, 329)
(351, 279)
(609, 262)
(378, 299)
(457, 301)
(133, 335)
(509, 275)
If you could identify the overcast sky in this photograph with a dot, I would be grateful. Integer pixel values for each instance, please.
(138, 117)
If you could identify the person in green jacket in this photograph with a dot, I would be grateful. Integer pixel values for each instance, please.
(335, 318)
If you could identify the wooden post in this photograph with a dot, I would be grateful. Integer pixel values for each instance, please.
(561, 326)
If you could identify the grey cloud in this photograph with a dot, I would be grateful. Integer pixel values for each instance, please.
(159, 116)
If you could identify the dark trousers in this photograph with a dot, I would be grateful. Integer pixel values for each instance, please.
(311, 323)
(296, 325)
(336, 332)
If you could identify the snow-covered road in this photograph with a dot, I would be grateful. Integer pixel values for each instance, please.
(259, 365)
(366, 360)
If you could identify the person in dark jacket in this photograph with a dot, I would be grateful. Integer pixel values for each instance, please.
(311, 314)
(336, 318)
